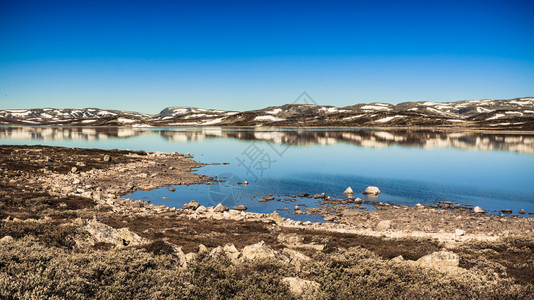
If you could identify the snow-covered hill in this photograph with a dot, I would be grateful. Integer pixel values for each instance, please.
(490, 114)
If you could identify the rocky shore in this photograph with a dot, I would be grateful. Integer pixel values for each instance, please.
(69, 201)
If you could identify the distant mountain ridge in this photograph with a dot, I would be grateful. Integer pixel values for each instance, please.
(517, 114)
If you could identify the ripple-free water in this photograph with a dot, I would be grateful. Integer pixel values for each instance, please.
(493, 171)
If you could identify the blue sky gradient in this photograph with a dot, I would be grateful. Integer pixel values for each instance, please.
(240, 55)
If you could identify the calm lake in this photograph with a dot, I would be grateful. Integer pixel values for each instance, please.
(493, 171)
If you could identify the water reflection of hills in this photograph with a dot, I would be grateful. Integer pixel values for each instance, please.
(523, 143)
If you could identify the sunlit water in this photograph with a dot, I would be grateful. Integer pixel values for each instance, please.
(493, 171)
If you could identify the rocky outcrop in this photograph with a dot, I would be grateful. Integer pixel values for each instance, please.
(96, 232)
(440, 260)
(258, 251)
(301, 288)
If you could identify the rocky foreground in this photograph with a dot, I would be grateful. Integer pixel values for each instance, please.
(67, 233)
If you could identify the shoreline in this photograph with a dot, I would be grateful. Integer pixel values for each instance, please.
(110, 181)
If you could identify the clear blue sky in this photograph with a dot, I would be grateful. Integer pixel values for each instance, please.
(146, 55)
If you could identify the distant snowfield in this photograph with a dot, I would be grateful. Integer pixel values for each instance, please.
(268, 118)
(387, 119)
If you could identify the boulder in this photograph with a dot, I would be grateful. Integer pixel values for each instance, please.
(201, 209)
(192, 205)
(220, 208)
(349, 191)
(106, 158)
(275, 216)
(478, 210)
(74, 169)
(258, 251)
(202, 249)
(6, 239)
(301, 288)
(240, 208)
(102, 233)
(398, 258)
(459, 232)
(371, 190)
(522, 211)
(383, 225)
(506, 211)
(440, 259)
(231, 252)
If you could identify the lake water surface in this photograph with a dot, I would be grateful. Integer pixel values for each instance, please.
(493, 171)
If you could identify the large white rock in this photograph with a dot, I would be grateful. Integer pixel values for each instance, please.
(372, 190)
(349, 191)
(478, 210)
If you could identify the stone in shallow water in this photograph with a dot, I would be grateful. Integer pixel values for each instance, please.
(349, 191)
(240, 208)
(372, 190)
